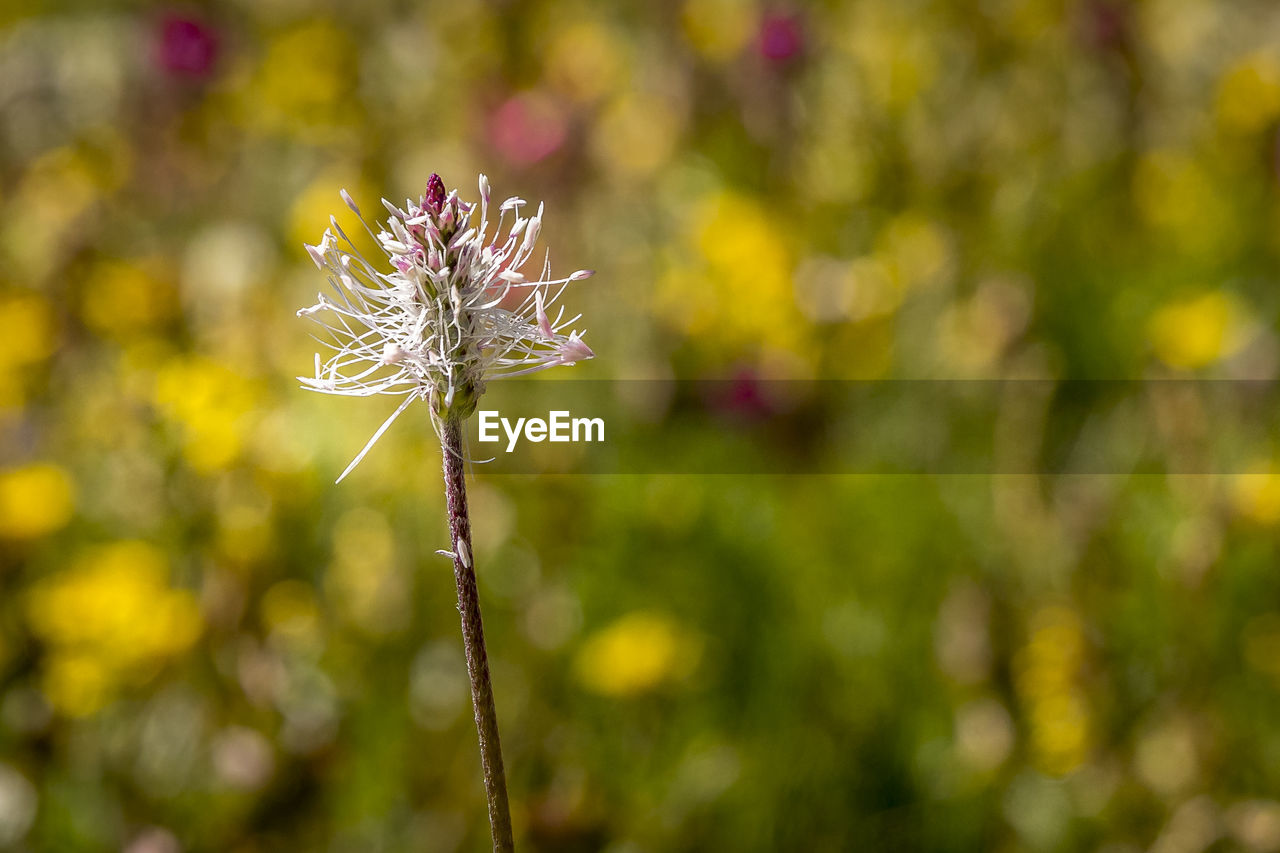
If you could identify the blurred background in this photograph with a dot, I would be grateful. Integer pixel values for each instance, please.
(207, 646)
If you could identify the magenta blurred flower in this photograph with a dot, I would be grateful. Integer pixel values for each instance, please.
(781, 37)
(743, 397)
(528, 127)
(186, 46)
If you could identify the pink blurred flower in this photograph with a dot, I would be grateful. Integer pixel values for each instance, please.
(781, 37)
(186, 46)
(528, 127)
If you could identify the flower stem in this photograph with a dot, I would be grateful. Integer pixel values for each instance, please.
(495, 780)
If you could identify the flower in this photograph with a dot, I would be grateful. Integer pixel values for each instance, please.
(108, 621)
(35, 500)
(528, 128)
(186, 47)
(450, 310)
(781, 37)
(635, 654)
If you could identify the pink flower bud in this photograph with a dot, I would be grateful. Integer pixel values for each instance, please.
(574, 350)
(544, 325)
(435, 193)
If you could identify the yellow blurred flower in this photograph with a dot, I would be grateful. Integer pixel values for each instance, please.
(245, 534)
(585, 61)
(26, 330)
(739, 291)
(309, 215)
(111, 619)
(27, 336)
(637, 134)
(13, 393)
(1256, 495)
(77, 684)
(1047, 676)
(35, 500)
(1030, 20)
(1196, 332)
(832, 166)
(1249, 94)
(635, 654)
(718, 29)
(1173, 192)
(58, 188)
(122, 298)
(305, 79)
(210, 403)
(916, 250)
(897, 56)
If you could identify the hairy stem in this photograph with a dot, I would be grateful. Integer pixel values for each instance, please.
(495, 780)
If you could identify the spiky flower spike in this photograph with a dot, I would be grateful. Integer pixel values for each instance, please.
(448, 311)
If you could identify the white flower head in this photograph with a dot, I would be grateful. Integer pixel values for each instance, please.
(446, 311)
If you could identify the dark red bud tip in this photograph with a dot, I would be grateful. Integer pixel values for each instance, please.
(435, 193)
